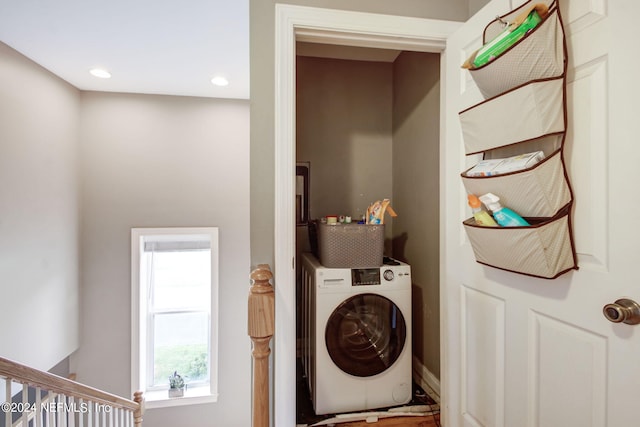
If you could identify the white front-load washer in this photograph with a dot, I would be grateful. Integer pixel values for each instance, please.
(357, 336)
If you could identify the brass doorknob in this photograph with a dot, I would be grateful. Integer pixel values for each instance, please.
(623, 311)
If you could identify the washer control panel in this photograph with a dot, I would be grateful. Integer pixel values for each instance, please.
(365, 276)
(388, 273)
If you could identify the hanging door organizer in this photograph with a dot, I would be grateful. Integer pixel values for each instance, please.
(525, 110)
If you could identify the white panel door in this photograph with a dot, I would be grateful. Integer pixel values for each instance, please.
(522, 351)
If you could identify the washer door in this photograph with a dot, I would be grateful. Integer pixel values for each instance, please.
(365, 334)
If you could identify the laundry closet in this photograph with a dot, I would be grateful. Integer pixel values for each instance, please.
(368, 128)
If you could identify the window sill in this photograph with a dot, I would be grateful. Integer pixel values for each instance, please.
(192, 396)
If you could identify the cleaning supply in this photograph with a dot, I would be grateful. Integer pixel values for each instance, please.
(482, 217)
(376, 211)
(512, 33)
(491, 167)
(505, 217)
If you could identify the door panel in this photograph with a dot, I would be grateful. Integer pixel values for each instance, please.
(554, 341)
(473, 320)
(587, 94)
(587, 133)
(483, 358)
(541, 349)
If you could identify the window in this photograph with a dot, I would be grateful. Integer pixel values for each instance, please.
(174, 311)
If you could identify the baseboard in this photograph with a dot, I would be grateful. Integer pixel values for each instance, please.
(425, 379)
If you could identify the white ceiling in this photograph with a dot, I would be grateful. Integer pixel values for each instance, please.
(149, 46)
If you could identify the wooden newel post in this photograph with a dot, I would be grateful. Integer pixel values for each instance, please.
(139, 412)
(261, 327)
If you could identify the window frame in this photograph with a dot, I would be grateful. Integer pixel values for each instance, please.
(140, 339)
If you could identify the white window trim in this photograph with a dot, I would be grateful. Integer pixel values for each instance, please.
(192, 395)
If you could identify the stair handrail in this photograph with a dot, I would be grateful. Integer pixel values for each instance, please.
(23, 374)
(261, 326)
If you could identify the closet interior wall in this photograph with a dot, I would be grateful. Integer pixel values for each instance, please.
(370, 130)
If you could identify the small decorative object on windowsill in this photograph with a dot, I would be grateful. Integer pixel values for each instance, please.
(176, 385)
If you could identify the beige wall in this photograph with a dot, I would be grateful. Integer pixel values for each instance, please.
(39, 116)
(161, 161)
(416, 140)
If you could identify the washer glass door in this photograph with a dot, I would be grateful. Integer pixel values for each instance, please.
(365, 334)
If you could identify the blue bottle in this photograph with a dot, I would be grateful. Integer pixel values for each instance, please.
(505, 217)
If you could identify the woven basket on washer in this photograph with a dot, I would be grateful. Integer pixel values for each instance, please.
(351, 245)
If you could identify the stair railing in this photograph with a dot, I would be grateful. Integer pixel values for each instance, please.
(41, 399)
(261, 327)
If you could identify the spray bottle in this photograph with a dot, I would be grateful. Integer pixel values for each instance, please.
(503, 216)
(482, 217)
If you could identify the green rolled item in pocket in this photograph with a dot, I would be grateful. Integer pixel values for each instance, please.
(505, 40)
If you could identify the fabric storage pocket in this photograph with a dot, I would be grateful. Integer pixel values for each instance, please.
(543, 249)
(540, 191)
(527, 112)
(538, 55)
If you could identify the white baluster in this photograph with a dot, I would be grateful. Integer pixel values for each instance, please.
(24, 419)
(38, 408)
(60, 409)
(7, 407)
(51, 420)
(72, 412)
(104, 417)
(90, 415)
(81, 413)
(45, 412)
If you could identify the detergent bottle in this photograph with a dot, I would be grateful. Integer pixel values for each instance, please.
(482, 217)
(505, 217)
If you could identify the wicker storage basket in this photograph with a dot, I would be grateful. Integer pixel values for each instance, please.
(351, 245)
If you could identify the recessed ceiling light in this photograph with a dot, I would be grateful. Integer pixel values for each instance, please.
(101, 73)
(219, 81)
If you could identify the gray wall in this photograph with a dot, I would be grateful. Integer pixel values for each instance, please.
(39, 116)
(476, 5)
(344, 130)
(416, 181)
(160, 161)
(140, 161)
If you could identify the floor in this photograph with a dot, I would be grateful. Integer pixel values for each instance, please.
(305, 415)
